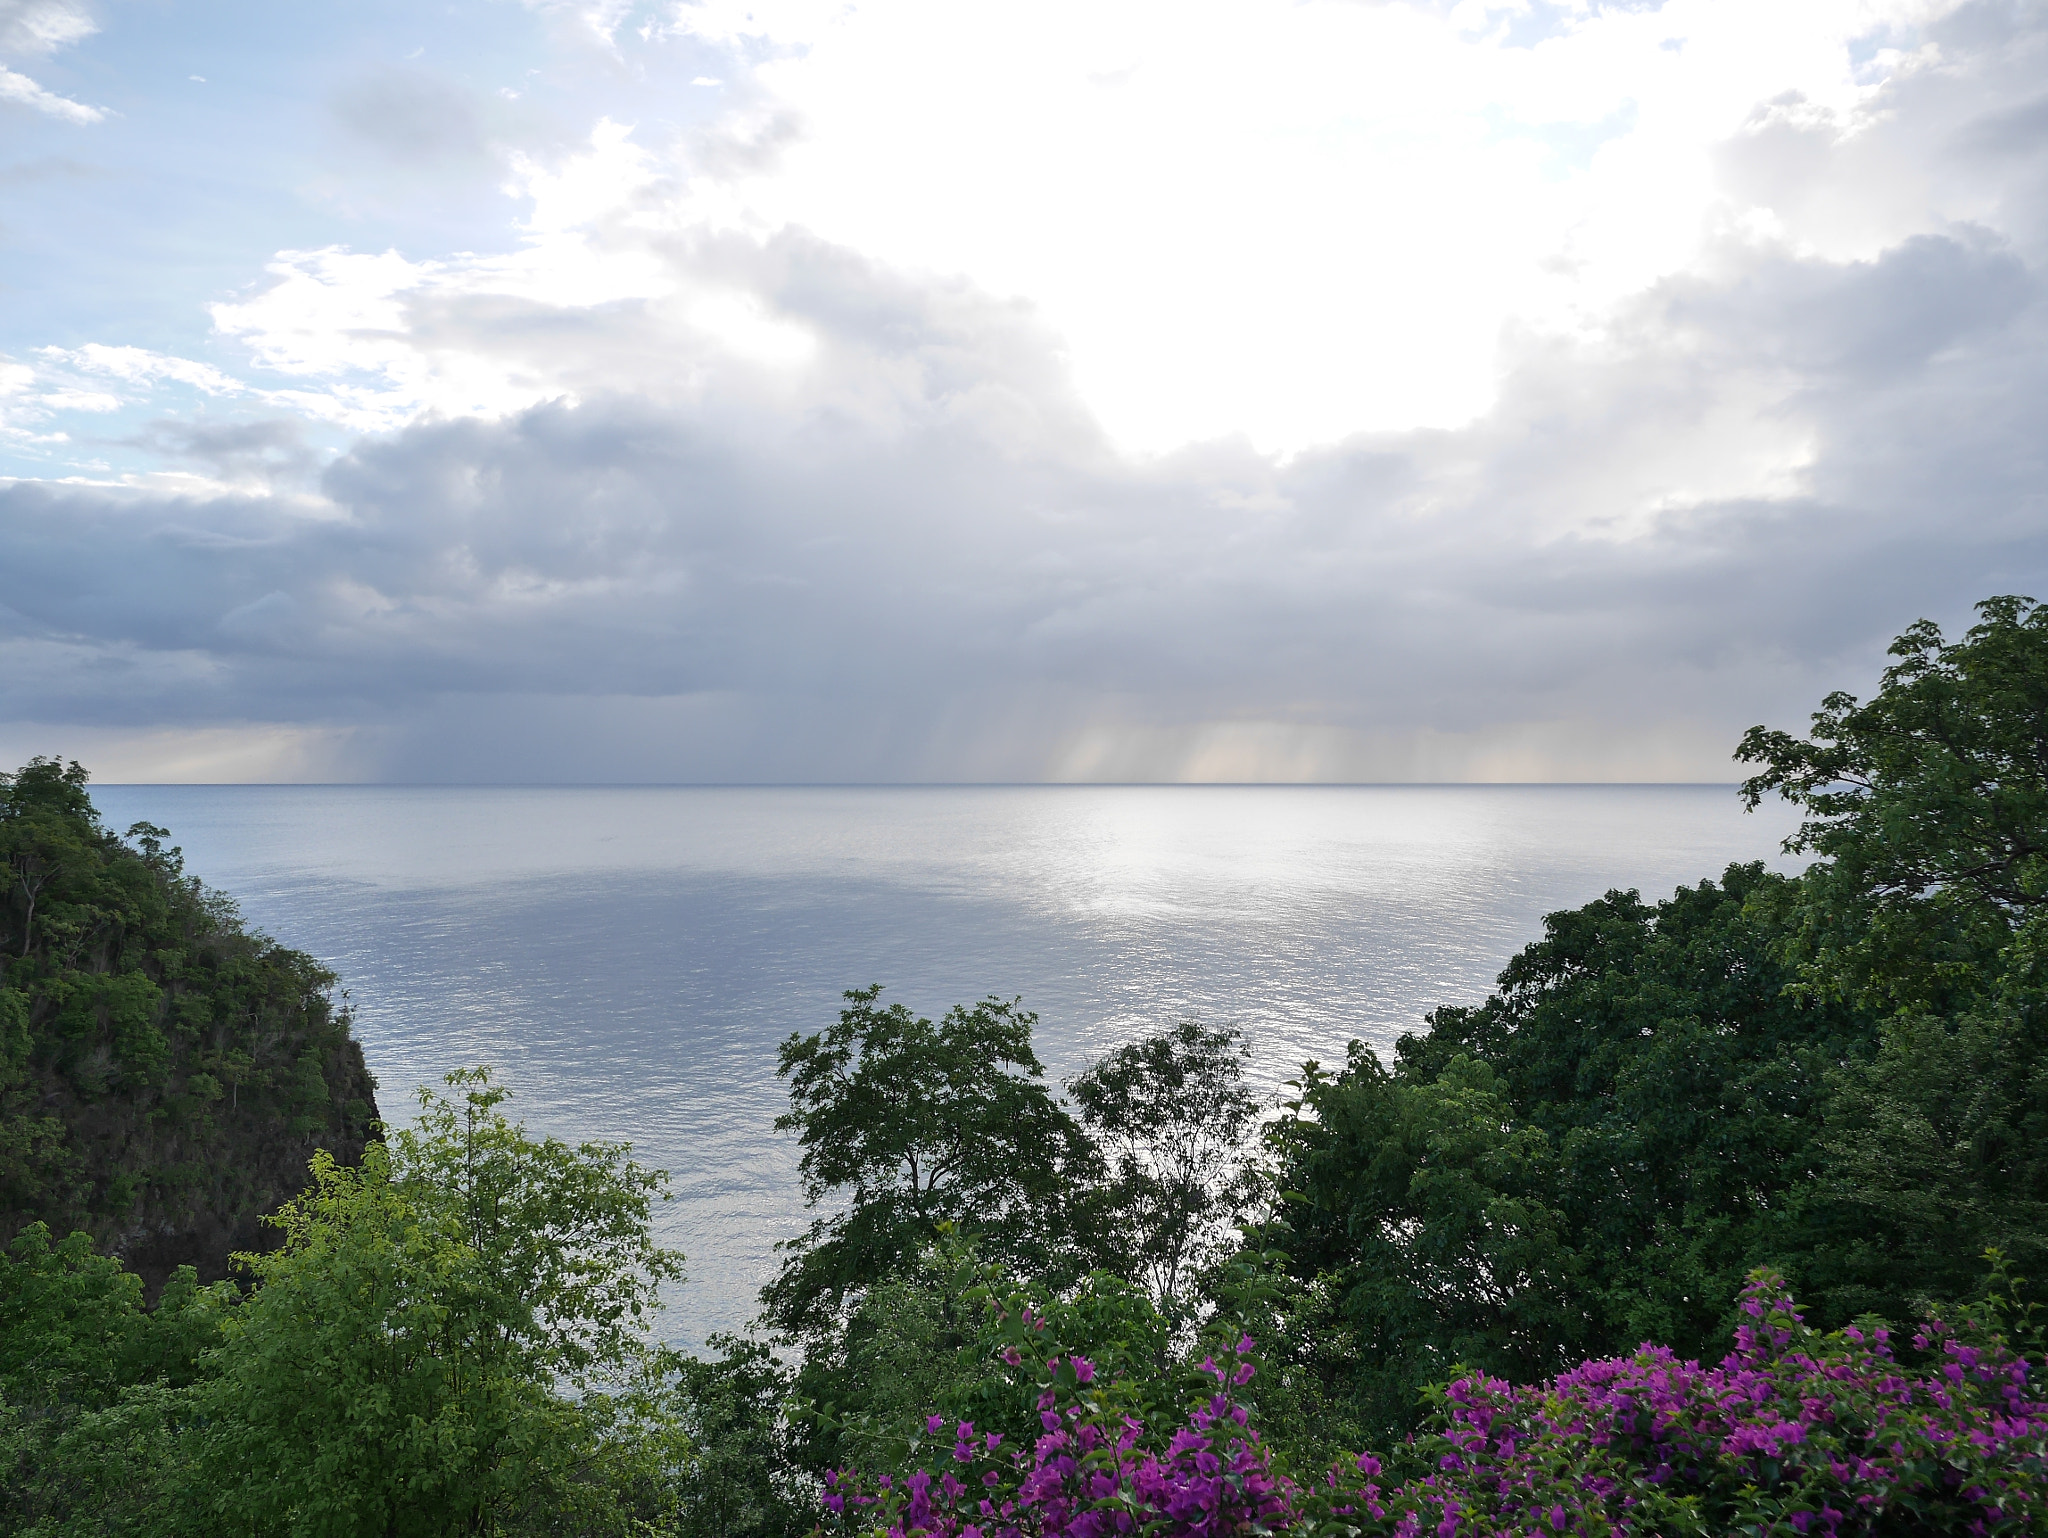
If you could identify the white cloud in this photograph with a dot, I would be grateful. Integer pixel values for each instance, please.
(1289, 220)
(36, 27)
(43, 26)
(79, 400)
(138, 365)
(384, 338)
(24, 92)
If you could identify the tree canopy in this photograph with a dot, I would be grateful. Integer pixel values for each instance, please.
(920, 1125)
(1927, 807)
(470, 1292)
(1172, 1115)
(164, 1071)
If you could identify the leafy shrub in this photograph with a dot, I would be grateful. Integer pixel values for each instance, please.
(1795, 1433)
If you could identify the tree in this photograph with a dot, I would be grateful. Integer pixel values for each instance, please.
(83, 1366)
(1429, 1210)
(128, 993)
(1172, 1116)
(939, 1334)
(1927, 811)
(47, 824)
(448, 1340)
(743, 1479)
(1593, 1157)
(920, 1125)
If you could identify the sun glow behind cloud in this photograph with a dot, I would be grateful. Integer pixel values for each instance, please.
(1234, 390)
(1290, 222)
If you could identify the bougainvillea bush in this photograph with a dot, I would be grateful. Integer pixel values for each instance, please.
(1794, 1433)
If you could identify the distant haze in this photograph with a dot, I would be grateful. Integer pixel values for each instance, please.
(912, 391)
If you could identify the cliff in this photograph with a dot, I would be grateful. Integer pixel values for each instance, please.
(165, 1072)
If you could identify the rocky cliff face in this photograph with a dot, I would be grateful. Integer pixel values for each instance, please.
(165, 1072)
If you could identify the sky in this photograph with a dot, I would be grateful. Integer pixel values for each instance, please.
(908, 390)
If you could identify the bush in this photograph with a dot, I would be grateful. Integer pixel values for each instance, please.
(1795, 1432)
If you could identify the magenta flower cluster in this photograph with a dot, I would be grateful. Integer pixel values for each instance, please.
(1795, 1433)
(1087, 1474)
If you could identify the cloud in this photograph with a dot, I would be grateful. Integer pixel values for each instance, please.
(79, 400)
(138, 365)
(964, 404)
(42, 26)
(975, 583)
(24, 92)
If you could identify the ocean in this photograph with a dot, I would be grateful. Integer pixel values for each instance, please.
(627, 959)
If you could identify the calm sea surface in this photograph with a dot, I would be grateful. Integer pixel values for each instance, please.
(629, 958)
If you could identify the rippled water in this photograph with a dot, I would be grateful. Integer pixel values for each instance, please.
(629, 958)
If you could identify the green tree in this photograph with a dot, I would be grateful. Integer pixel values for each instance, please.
(1429, 1211)
(744, 1480)
(449, 1340)
(84, 1370)
(916, 1126)
(46, 827)
(128, 993)
(1927, 810)
(1173, 1118)
(1594, 1157)
(930, 1339)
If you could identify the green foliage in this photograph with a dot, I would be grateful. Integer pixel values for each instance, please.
(1172, 1116)
(84, 1374)
(164, 1073)
(1594, 1157)
(743, 1480)
(1427, 1210)
(447, 1340)
(1928, 810)
(73, 1331)
(450, 1340)
(931, 1340)
(1309, 1356)
(922, 1125)
(1928, 807)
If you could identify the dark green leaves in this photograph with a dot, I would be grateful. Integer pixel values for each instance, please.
(1171, 1115)
(164, 1073)
(915, 1125)
(1928, 809)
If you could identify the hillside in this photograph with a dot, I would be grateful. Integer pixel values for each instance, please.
(165, 1072)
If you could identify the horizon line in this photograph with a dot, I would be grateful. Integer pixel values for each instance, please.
(918, 784)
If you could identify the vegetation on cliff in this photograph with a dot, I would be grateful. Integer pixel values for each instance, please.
(165, 1072)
